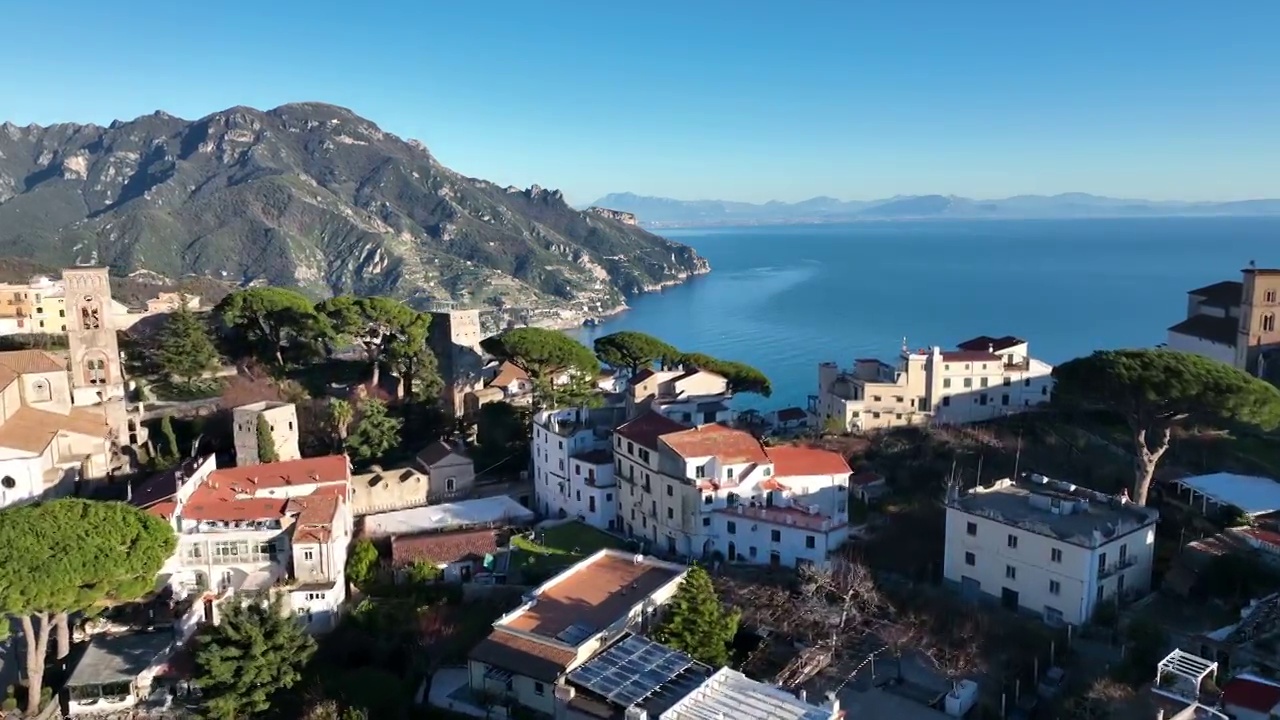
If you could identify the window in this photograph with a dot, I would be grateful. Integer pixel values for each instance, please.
(751, 551)
(579, 496)
(1006, 382)
(1124, 552)
(608, 497)
(89, 314)
(875, 398)
(810, 542)
(775, 535)
(308, 555)
(40, 392)
(591, 503)
(1102, 563)
(1004, 398)
(450, 484)
(1026, 383)
(1269, 296)
(631, 448)
(946, 401)
(671, 514)
(539, 689)
(982, 382)
(968, 382)
(699, 472)
(1055, 587)
(1012, 542)
(1102, 592)
(1269, 322)
(1044, 390)
(731, 527)
(1055, 555)
(707, 499)
(670, 491)
(946, 382)
(971, 529)
(1011, 572)
(970, 559)
(728, 473)
(706, 522)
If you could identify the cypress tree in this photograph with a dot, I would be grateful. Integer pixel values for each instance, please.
(697, 623)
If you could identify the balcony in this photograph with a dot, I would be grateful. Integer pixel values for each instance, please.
(1115, 567)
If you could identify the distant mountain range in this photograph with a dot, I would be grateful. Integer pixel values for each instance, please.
(666, 212)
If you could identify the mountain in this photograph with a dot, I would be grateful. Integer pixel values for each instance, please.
(313, 196)
(660, 212)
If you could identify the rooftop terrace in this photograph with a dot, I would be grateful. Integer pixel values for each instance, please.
(1056, 509)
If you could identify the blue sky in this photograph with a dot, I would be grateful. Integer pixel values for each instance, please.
(702, 98)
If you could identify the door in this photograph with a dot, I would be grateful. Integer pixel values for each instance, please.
(1009, 598)
(465, 572)
(733, 553)
(775, 559)
(970, 588)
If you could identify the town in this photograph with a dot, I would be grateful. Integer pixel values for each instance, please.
(257, 505)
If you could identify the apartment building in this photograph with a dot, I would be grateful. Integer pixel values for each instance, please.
(1047, 547)
(1234, 322)
(572, 466)
(566, 621)
(39, 306)
(691, 397)
(282, 527)
(982, 379)
(282, 423)
(713, 489)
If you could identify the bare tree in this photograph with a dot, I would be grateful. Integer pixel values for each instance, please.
(907, 632)
(842, 596)
(955, 649)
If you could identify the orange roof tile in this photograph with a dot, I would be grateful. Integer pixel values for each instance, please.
(316, 513)
(307, 471)
(229, 494)
(32, 361)
(796, 461)
(32, 430)
(443, 547)
(539, 661)
(509, 373)
(722, 442)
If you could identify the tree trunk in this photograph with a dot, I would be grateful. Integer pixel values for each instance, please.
(35, 634)
(377, 373)
(1145, 459)
(62, 625)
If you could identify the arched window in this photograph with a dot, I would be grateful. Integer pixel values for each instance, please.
(40, 392)
(90, 315)
(95, 370)
(1269, 322)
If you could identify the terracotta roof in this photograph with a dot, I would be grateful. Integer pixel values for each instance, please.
(970, 356)
(31, 430)
(794, 461)
(646, 429)
(316, 513)
(791, 414)
(163, 486)
(722, 442)
(522, 655)
(1223, 331)
(32, 361)
(1251, 694)
(443, 548)
(229, 494)
(593, 595)
(1225, 294)
(641, 376)
(437, 451)
(509, 373)
(984, 343)
(772, 484)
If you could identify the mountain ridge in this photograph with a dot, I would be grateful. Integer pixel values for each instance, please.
(667, 212)
(314, 196)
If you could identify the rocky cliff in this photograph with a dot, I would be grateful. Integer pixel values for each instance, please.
(314, 196)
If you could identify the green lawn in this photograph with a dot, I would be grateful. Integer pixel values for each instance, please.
(558, 547)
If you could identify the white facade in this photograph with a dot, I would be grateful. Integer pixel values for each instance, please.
(1222, 352)
(1048, 548)
(572, 468)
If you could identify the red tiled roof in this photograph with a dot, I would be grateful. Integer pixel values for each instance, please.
(772, 484)
(31, 361)
(984, 343)
(509, 373)
(791, 413)
(1251, 694)
(726, 444)
(794, 461)
(646, 429)
(316, 513)
(443, 548)
(969, 356)
(307, 471)
(229, 494)
(539, 661)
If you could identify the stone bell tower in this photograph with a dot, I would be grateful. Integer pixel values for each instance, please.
(97, 377)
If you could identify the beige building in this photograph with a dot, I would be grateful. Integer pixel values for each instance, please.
(455, 337)
(1234, 322)
(40, 307)
(281, 417)
(692, 397)
(566, 621)
(982, 379)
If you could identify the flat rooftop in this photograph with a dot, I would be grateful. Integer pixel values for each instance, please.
(590, 596)
(730, 694)
(496, 510)
(113, 659)
(1056, 509)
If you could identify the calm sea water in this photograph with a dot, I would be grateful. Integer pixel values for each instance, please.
(786, 298)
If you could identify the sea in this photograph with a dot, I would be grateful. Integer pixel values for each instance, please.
(785, 298)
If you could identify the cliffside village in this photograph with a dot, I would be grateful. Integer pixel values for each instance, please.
(661, 474)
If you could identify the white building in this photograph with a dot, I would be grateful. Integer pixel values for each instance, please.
(283, 526)
(983, 379)
(566, 621)
(1048, 547)
(281, 418)
(690, 397)
(572, 466)
(730, 694)
(717, 490)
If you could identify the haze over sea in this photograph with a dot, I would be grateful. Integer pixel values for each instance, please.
(784, 298)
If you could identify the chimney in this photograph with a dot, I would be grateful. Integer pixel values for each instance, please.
(802, 695)
(991, 348)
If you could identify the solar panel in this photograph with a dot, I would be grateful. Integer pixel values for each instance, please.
(635, 669)
(575, 634)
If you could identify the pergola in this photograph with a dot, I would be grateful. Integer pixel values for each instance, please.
(1185, 666)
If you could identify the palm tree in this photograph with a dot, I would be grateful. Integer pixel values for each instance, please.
(341, 414)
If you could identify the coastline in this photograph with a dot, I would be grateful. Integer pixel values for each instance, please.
(579, 319)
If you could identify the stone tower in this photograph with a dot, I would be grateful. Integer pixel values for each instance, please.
(1259, 334)
(282, 418)
(97, 377)
(455, 337)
